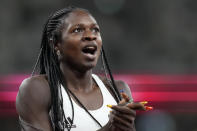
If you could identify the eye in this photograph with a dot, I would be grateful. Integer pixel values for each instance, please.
(77, 30)
(96, 29)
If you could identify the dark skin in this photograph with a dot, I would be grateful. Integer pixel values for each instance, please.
(34, 100)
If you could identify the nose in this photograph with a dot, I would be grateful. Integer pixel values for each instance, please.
(88, 36)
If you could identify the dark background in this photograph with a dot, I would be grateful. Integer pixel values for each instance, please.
(139, 36)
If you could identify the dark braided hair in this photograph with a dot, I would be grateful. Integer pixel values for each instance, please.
(49, 65)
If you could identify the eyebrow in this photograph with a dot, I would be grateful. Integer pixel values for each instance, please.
(94, 24)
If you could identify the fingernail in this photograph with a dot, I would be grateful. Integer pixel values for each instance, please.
(110, 106)
(121, 91)
(144, 102)
(148, 108)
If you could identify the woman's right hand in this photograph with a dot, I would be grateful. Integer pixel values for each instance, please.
(122, 116)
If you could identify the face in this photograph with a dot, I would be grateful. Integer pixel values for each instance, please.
(81, 41)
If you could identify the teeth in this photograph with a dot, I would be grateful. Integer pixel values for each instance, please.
(89, 49)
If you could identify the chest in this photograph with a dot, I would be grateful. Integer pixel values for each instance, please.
(92, 100)
(82, 120)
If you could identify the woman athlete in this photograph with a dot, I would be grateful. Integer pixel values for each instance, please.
(65, 95)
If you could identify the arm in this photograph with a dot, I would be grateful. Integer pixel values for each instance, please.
(33, 104)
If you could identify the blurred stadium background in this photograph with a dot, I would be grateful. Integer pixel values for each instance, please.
(150, 44)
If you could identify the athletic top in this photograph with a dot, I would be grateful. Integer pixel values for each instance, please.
(82, 120)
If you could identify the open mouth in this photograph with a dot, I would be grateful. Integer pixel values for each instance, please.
(89, 50)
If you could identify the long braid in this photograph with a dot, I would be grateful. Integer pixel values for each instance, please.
(107, 70)
(48, 64)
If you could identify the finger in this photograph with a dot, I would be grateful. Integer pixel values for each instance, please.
(129, 115)
(121, 121)
(136, 106)
(125, 96)
(122, 109)
(139, 106)
(130, 118)
(122, 102)
(125, 99)
(121, 127)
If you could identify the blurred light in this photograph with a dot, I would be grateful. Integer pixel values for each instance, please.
(174, 94)
(109, 6)
(156, 121)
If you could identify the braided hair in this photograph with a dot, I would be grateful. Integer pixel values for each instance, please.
(48, 64)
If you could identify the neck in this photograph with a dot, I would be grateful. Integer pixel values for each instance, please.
(75, 80)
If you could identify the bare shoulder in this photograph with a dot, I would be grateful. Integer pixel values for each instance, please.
(33, 97)
(121, 85)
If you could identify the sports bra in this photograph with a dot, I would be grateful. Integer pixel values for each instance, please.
(82, 120)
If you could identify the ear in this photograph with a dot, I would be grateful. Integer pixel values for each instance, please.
(54, 44)
(57, 46)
